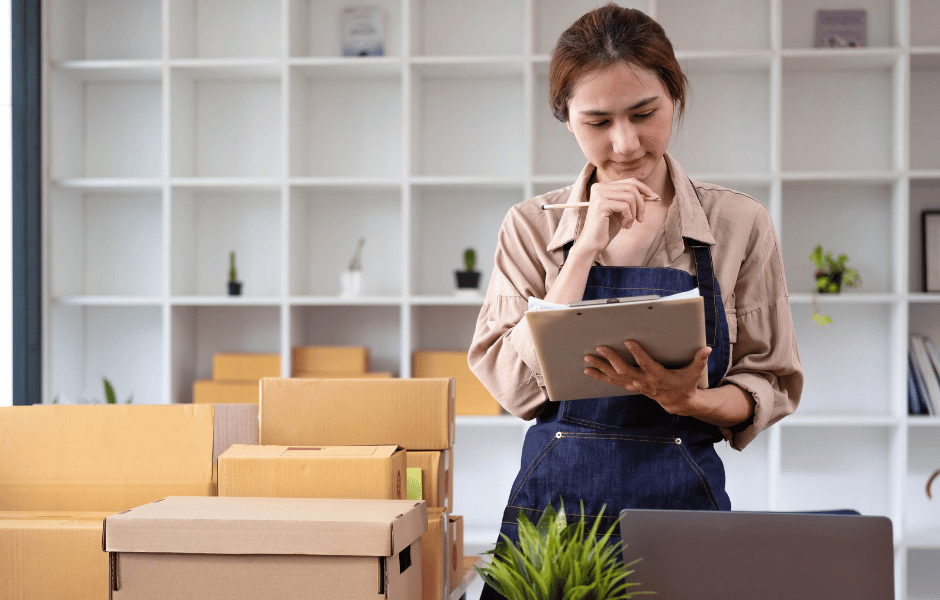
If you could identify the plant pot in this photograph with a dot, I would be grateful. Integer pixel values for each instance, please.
(467, 279)
(234, 288)
(350, 283)
(828, 283)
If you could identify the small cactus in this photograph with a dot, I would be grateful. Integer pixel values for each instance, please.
(232, 271)
(470, 259)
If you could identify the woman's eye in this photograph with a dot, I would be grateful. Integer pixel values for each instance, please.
(599, 124)
(644, 115)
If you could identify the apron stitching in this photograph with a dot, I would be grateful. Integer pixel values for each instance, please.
(701, 477)
(620, 436)
(532, 468)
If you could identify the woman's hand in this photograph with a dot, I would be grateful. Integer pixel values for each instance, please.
(676, 390)
(614, 205)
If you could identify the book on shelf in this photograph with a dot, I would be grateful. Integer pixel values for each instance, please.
(916, 404)
(363, 31)
(924, 370)
(841, 28)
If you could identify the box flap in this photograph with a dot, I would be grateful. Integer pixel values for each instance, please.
(232, 525)
(352, 452)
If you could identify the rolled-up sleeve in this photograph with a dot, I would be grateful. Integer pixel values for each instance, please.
(765, 361)
(502, 354)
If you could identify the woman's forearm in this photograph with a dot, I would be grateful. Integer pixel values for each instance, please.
(724, 406)
(569, 286)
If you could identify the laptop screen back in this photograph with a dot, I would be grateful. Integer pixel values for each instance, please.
(704, 555)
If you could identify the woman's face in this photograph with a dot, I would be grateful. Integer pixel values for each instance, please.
(621, 117)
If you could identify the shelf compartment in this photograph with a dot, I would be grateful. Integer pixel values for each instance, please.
(835, 468)
(812, 211)
(447, 28)
(924, 195)
(923, 578)
(486, 138)
(105, 128)
(207, 224)
(726, 127)
(857, 137)
(925, 14)
(747, 474)
(447, 328)
(225, 123)
(199, 332)
(315, 27)
(122, 343)
(332, 116)
(922, 460)
(230, 29)
(798, 21)
(101, 29)
(342, 216)
(376, 327)
(105, 243)
(925, 118)
(845, 364)
(710, 25)
(439, 233)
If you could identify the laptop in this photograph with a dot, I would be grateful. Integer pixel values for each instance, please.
(708, 555)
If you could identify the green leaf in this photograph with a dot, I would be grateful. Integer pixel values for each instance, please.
(821, 319)
(109, 395)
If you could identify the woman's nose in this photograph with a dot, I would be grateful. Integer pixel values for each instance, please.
(624, 138)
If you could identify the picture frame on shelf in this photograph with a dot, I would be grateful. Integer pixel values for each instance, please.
(841, 29)
(363, 31)
(930, 249)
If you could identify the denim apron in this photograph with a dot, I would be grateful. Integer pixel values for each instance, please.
(627, 451)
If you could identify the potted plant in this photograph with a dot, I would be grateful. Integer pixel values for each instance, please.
(555, 560)
(234, 285)
(110, 397)
(351, 278)
(831, 275)
(469, 278)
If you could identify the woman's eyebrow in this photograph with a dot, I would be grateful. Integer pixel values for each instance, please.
(603, 113)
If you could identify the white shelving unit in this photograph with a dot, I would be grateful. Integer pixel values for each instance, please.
(176, 131)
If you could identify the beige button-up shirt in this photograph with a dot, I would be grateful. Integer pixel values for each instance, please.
(747, 263)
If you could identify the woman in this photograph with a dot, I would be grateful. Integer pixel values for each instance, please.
(648, 229)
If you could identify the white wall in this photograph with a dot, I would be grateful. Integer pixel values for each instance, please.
(6, 202)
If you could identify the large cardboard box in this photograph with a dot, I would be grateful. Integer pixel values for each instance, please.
(343, 359)
(238, 365)
(455, 533)
(211, 391)
(112, 457)
(471, 397)
(313, 472)
(435, 476)
(192, 548)
(52, 555)
(342, 375)
(417, 414)
(435, 562)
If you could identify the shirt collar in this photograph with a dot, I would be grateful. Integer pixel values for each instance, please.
(685, 219)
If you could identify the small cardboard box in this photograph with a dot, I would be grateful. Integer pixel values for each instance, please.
(434, 467)
(52, 555)
(471, 397)
(192, 548)
(417, 414)
(313, 472)
(210, 391)
(342, 359)
(342, 375)
(455, 533)
(112, 457)
(435, 563)
(237, 365)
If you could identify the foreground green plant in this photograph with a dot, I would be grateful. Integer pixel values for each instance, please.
(109, 396)
(555, 560)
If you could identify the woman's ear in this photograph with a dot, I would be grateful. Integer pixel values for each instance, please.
(568, 125)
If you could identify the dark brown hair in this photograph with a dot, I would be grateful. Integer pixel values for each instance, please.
(603, 37)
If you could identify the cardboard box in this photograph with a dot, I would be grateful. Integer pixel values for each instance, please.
(343, 359)
(417, 414)
(471, 397)
(342, 375)
(52, 556)
(455, 533)
(236, 365)
(190, 548)
(313, 472)
(435, 478)
(112, 457)
(210, 391)
(435, 562)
